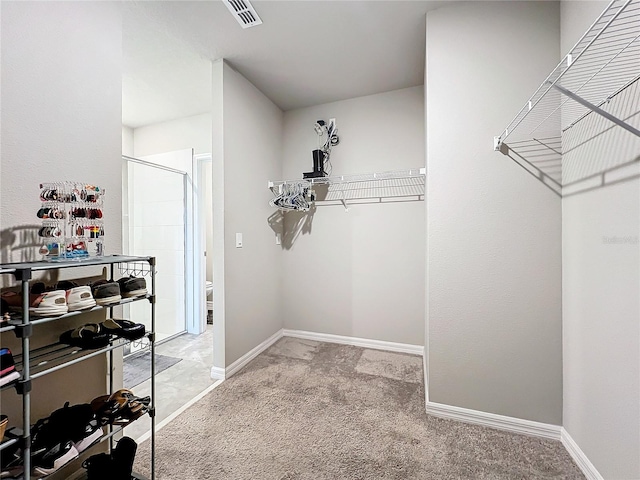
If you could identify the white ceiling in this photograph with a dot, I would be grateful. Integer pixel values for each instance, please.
(305, 52)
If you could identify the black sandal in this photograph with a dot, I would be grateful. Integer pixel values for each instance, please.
(120, 408)
(88, 337)
(124, 328)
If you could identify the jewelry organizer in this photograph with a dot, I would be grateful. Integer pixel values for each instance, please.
(72, 220)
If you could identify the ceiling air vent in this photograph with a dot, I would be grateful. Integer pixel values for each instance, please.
(243, 12)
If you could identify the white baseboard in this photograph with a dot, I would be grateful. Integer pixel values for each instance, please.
(218, 373)
(425, 372)
(356, 342)
(501, 422)
(588, 469)
(253, 353)
(166, 421)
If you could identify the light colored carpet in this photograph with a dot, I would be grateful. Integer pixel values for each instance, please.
(313, 411)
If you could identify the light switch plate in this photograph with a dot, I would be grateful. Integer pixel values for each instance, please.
(238, 240)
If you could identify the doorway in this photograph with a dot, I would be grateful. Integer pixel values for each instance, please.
(203, 201)
(165, 214)
(158, 221)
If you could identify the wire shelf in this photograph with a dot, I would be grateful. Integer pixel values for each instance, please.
(603, 64)
(383, 188)
(355, 178)
(81, 262)
(343, 188)
(135, 269)
(51, 358)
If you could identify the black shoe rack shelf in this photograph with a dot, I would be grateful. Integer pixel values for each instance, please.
(42, 361)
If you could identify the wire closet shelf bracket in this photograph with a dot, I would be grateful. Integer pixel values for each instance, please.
(604, 63)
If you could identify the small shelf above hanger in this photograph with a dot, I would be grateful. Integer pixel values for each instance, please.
(374, 187)
(604, 63)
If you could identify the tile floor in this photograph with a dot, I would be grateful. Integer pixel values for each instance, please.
(180, 383)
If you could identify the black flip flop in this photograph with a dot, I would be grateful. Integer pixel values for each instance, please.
(88, 337)
(123, 328)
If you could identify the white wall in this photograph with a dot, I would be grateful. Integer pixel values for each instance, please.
(251, 156)
(358, 273)
(127, 141)
(182, 133)
(61, 120)
(494, 232)
(601, 281)
(55, 57)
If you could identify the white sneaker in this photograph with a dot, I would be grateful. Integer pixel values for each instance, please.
(79, 298)
(50, 303)
(56, 458)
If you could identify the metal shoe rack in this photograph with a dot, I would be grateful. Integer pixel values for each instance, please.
(30, 363)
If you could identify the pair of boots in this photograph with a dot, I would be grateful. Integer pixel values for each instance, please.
(116, 466)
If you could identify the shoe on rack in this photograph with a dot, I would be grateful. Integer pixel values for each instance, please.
(106, 409)
(4, 421)
(99, 467)
(133, 410)
(49, 304)
(47, 460)
(12, 300)
(8, 372)
(51, 447)
(123, 456)
(88, 337)
(120, 408)
(106, 292)
(5, 314)
(62, 436)
(11, 456)
(132, 286)
(42, 303)
(117, 466)
(123, 328)
(79, 423)
(78, 297)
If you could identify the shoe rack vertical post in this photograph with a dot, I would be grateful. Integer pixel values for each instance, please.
(24, 385)
(111, 368)
(152, 410)
(152, 340)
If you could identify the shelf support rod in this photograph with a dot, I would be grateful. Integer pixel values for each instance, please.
(26, 275)
(596, 109)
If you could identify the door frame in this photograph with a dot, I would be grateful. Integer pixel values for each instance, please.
(201, 256)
